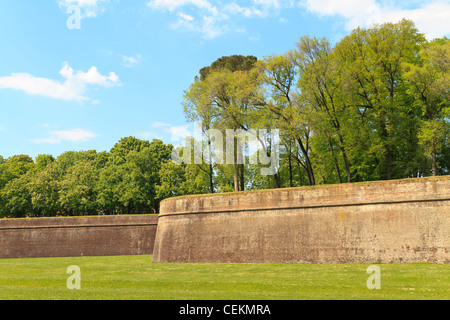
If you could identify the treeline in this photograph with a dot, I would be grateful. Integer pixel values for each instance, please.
(122, 181)
(374, 106)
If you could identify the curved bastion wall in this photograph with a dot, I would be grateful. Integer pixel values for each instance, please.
(399, 221)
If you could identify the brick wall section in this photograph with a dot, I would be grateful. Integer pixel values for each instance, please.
(391, 221)
(77, 236)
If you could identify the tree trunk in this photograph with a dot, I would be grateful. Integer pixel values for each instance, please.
(434, 158)
(290, 170)
(211, 182)
(236, 178)
(336, 163)
(344, 155)
(309, 168)
(241, 177)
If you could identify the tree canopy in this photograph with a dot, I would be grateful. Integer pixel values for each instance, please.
(375, 106)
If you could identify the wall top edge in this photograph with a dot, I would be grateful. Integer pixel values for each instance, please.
(81, 221)
(395, 191)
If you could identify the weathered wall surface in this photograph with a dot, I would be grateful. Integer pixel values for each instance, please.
(394, 221)
(78, 236)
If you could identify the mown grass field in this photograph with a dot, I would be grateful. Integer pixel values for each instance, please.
(137, 278)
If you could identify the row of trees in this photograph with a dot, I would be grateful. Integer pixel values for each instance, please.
(125, 180)
(375, 106)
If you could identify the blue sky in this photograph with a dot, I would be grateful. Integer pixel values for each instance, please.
(122, 69)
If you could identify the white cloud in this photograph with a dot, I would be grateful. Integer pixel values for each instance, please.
(179, 132)
(159, 124)
(212, 20)
(431, 17)
(76, 135)
(171, 5)
(148, 135)
(208, 24)
(248, 12)
(72, 89)
(131, 61)
(258, 8)
(90, 8)
(166, 131)
(2, 128)
(185, 17)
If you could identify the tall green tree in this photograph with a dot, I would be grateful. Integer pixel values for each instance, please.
(15, 198)
(284, 108)
(44, 191)
(372, 63)
(77, 194)
(320, 85)
(222, 98)
(428, 81)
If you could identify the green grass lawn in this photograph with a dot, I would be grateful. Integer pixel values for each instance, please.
(136, 277)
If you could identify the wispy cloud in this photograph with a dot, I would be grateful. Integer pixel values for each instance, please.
(72, 89)
(431, 17)
(258, 8)
(76, 135)
(179, 132)
(213, 20)
(159, 124)
(149, 135)
(166, 131)
(131, 61)
(89, 8)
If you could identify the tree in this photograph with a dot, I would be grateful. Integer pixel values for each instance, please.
(373, 85)
(140, 182)
(77, 194)
(127, 183)
(44, 191)
(18, 165)
(320, 85)
(42, 160)
(15, 198)
(221, 100)
(432, 138)
(172, 179)
(70, 158)
(231, 63)
(125, 145)
(285, 108)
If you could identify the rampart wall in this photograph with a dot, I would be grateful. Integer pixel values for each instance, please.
(399, 221)
(77, 236)
(392, 221)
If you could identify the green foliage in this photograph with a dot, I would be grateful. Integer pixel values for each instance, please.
(16, 198)
(44, 191)
(373, 106)
(122, 181)
(77, 189)
(230, 63)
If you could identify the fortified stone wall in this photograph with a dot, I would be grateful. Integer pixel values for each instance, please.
(391, 221)
(78, 236)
